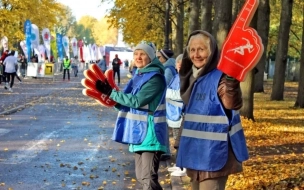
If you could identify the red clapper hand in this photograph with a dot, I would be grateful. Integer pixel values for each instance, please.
(243, 47)
(92, 75)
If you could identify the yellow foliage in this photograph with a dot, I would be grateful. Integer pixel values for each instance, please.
(13, 14)
(275, 143)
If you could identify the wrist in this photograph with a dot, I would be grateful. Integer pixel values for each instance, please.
(229, 78)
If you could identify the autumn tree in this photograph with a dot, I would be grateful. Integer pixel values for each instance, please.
(281, 51)
(43, 13)
(300, 98)
(194, 10)
(222, 20)
(263, 21)
(206, 15)
(103, 33)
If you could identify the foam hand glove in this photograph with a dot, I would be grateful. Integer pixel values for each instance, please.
(103, 87)
(243, 47)
(99, 86)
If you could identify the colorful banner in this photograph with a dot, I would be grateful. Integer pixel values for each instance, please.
(41, 50)
(81, 50)
(53, 46)
(28, 33)
(24, 48)
(66, 45)
(46, 36)
(59, 45)
(4, 43)
(35, 36)
(74, 46)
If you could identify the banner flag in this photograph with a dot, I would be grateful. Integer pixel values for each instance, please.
(35, 36)
(46, 36)
(59, 45)
(66, 45)
(81, 51)
(24, 48)
(74, 46)
(28, 35)
(53, 46)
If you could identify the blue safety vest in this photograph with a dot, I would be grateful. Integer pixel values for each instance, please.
(132, 124)
(207, 129)
(172, 69)
(173, 107)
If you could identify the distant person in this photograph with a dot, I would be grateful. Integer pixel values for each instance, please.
(66, 67)
(23, 65)
(10, 64)
(102, 64)
(75, 65)
(116, 67)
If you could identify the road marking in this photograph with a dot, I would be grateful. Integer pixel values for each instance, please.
(31, 149)
(4, 131)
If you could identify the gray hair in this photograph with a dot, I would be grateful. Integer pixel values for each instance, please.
(179, 57)
(206, 41)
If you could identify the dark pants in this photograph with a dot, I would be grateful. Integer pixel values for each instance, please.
(75, 70)
(146, 168)
(68, 71)
(10, 77)
(118, 74)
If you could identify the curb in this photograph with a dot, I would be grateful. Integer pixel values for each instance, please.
(13, 110)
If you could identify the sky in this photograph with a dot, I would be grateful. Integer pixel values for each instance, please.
(92, 8)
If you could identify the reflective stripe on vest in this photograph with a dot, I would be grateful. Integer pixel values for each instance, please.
(206, 119)
(132, 124)
(204, 135)
(204, 140)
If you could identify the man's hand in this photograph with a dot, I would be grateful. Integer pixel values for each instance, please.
(99, 86)
(243, 47)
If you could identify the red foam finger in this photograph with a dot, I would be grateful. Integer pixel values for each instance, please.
(88, 84)
(245, 16)
(243, 46)
(110, 77)
(97, 71)
(100, 98)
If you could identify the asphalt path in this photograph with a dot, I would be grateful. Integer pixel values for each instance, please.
(53, 137)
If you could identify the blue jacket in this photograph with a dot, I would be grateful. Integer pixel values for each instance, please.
(169, 69)
(102, 65)
(208, 131)
(174, 107)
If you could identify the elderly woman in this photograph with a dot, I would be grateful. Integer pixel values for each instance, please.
(141, 120)
(212, 143)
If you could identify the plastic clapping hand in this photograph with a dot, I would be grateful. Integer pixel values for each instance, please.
(98, 85)
(243, 47)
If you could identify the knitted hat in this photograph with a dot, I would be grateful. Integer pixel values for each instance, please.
(148, 49)
(166, 53)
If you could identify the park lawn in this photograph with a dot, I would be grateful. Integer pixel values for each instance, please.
(275, 142)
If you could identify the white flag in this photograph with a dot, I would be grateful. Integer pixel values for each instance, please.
(46, 36)
(4, 43)
(23, 47)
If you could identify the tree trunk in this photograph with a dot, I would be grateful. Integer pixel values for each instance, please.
(194, 16)
(236, 7)
(222, 20)
(248, 96)
(300, 96)
(263, 22)
(179, 42)
(206, 15)
(282, 50)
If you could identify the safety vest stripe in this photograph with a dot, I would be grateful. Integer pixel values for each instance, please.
(204, 135)
(161, 107)
(206, 119)
(175, 103)
(235, 128)
(132, 116)
(160, 119)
